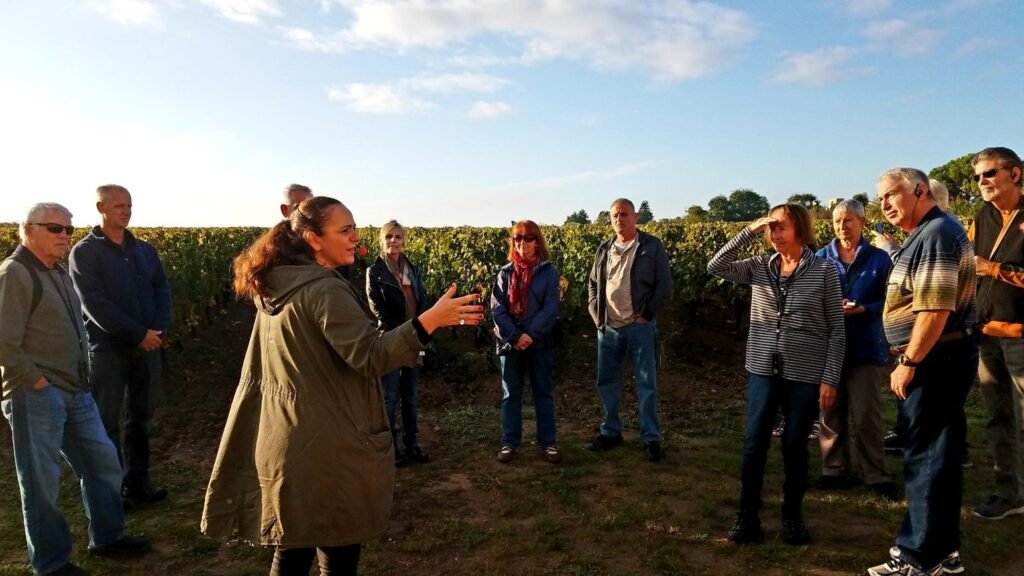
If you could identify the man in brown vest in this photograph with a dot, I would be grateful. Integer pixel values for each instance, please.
(998, 235)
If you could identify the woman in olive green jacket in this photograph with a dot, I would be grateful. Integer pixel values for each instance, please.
(306, 461)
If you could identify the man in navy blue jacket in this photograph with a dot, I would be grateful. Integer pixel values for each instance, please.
(127, 305)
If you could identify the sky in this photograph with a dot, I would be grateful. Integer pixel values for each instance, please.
(481, 112)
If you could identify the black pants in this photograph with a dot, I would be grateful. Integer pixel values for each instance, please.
(334, 561)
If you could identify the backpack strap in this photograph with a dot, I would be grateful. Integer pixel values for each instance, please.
(37, 285)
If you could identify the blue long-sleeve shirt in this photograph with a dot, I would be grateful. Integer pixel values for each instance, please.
(863, 282)
(123, 289)
(541, 307)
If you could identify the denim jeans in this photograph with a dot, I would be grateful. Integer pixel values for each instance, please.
(1001, 379)
(400, 386)
(935, 433)
(799, 403)
(640, 342)
(515, 365)
(126, 384)
(46, 424)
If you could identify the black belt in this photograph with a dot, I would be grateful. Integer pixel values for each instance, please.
(946, 338)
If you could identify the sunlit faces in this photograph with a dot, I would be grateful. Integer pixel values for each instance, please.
(336, 245)
(847, 226)
(116, 210)
(48, 246)
(897, 200)
(994, 180)
(782, 233)
(623, 219)
(525, 244)
(394, 241)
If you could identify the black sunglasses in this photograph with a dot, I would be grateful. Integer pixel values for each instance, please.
(522, 238)
(54, 228)
(987, 174)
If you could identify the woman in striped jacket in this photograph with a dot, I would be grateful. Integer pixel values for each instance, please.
(794, 356)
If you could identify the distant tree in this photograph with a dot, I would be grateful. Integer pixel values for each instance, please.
(809, 201)
(958, 176)
(742, 205)
(644, 214)
(863, 198)
(697, 213)
(603, 218)
(579, 217)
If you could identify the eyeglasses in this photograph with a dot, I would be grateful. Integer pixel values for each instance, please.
(521, 238)
(987, 174)
(54, 228)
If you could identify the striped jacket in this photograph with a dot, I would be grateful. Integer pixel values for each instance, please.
(809, 334)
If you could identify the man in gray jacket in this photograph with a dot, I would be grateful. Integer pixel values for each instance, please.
(629, 285)
(44, 368)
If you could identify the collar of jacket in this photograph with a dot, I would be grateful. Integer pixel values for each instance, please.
(801, 266)
(381, 269)
(22, 251)
(832, 250)
(641, 239)
(129, 238)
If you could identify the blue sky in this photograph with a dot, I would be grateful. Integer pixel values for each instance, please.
(481, 112)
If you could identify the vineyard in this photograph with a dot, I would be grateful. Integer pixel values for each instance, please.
(198, 260)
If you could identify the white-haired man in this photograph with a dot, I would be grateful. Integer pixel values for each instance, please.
(44, 366)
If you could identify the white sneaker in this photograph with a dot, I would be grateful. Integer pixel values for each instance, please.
(897, 566)
(950, 564)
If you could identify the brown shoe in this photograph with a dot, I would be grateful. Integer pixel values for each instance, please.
(552, 455)
(505, 454)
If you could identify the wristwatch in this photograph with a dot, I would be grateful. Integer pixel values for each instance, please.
(902, 360)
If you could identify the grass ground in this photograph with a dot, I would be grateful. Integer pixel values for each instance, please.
(595, 514)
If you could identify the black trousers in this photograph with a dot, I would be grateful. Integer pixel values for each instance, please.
(334, 561)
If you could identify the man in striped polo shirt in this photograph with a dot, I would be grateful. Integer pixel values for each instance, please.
(929, 321)
(998, 235)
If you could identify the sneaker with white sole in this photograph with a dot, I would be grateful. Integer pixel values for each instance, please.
(997, 508)
(950, 564)
(897, 566)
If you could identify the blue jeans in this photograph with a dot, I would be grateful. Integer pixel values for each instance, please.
(126, 385)
(799, 403)
(935, 432)
(640, 341)
(514, 367)
(400, 386)
(46, 424)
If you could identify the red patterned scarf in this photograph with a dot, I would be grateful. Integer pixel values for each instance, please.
(519, 287)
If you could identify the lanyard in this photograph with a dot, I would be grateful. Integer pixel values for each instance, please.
(66, 300)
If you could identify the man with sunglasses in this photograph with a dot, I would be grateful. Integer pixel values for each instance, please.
(629, 285)
(46, 400)
(928, 319)
(127, 303)
(998, 235)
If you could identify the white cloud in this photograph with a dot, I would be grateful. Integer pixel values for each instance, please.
(245, 11)
(580, 177)
(487, 110)
(376, 99)
(815, 68)
(672, 39)
(127, 12)
(867, 7)
(401, 97)
(979, 43)
(902, 38)
(452, 83)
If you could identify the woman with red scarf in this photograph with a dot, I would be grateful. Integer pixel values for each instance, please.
(524, 305)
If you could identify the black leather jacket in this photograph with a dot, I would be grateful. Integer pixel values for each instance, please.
(387, 300)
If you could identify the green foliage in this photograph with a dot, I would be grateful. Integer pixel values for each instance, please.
(743, 205)
(808, 201)
(697, 213)
(644, 214)
(578, 217)
(603, 218)
(958, 176)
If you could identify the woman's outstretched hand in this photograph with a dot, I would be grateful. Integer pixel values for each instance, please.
(452, 310)
(762, 223)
